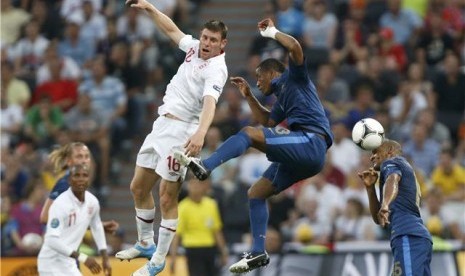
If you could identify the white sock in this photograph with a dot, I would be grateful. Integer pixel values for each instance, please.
(144, 222)
(165, 236)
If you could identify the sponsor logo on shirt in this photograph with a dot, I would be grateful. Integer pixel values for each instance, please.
(54, 223)
(217, 88)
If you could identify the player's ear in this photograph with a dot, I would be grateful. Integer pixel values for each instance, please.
(223, 43)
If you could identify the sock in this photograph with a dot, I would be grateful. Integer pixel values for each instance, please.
(144, 222)
(258, 223)
(233, 147)
(165, 236)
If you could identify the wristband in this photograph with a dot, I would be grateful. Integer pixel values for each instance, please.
(270, 32)
(82, 258)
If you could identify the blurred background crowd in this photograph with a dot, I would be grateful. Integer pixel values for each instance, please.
(95, 71)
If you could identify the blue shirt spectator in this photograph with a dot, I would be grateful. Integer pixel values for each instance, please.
(402, 21)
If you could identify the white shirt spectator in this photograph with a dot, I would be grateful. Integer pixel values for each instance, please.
(73, 8)
(70, 70)
(31, 52)
(94, 29)
(12, 115)
(346, 155)
(145, 28)
(252, 166)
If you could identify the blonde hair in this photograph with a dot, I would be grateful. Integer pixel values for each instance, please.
(59, 157)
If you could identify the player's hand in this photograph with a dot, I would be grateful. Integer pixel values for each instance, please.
(106, 266)
(265, 23)
(194, 145)
(141, 4)
(242, 85)
(93, 266)
(368, 177)
(110, 226)
(383, 215)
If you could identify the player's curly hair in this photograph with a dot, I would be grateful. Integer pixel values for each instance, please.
(271, 64)
(217, 27)
(59, 157)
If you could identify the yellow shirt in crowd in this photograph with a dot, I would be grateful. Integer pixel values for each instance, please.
(448, 183)
(198, 222)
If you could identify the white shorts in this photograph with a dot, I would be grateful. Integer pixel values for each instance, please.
(157, 150)
(57, 267)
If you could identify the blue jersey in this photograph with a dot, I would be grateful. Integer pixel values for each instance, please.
(61, 186)
(405, 212)
(298, 102)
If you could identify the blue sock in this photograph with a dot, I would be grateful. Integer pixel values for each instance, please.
(231, 148)
(258, 223)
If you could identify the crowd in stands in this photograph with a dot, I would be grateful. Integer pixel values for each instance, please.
(95, 71)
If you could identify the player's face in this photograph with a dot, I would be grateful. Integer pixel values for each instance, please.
(264, 81)
(79, 180)
(80, 156)
(378, 156)
(211, 44)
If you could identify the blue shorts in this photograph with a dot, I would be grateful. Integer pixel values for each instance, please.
(296, 155)
(412, 256)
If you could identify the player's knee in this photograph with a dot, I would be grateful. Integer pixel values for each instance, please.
(253, 133)
(138, 190)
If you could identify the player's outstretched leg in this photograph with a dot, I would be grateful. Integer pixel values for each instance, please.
(149, 269)
(249, 262)
(137, 251)
(194, 164)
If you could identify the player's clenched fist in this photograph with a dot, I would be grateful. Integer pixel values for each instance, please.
(369, 177)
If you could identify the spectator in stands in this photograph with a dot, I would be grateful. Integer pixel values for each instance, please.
(12, 19)
(45, 13)
(355, 187)
(200, 231)
(363, 105)
(449, 88)
(135, 26)
(331, 87)
(404, 23)
(232, 112)
(108, 96)
(393, 54)
(62, 92)
(17, 91)
(27, 54)
(82, 51)
(69, 69)
(24, 218)
(327, 195)
(333, 174)
(87, 126)
(43, 121)
(435, 216)
(417, 79)
(131, 72)
(11, 122)
(404, 107)
(319, 25)
(422, 150)
(449, 177)
(311, 227)
(435, 130)
(251, 166)
(94, 25)
(16, 177)
(345, 151)
(288, 18)
(434, 42)
(353, 224)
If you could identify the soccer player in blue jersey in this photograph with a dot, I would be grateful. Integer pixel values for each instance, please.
(399, 209)
(297, 152)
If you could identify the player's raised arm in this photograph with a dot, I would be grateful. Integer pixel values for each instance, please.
(267, 29)
(165, 23)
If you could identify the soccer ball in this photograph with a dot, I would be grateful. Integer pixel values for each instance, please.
(32, 240)
(368, 134)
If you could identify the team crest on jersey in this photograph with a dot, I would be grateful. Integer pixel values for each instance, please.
(54, 223)
(282, 130)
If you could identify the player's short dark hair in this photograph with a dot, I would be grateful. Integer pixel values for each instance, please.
(271, 64)
(217, 27)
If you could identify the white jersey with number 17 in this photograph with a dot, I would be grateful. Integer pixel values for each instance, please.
(195, 79)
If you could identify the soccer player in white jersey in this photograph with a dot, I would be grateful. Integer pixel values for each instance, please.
(185, 116)
(69, 217)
